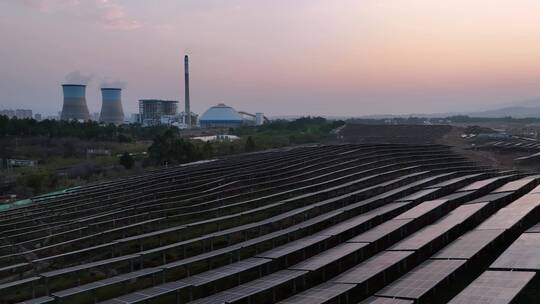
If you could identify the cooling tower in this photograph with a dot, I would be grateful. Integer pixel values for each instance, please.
(111, 107)
(74, 107)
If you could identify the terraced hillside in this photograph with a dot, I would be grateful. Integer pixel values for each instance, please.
(384, 223)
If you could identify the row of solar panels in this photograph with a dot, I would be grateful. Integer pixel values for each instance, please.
(77, 253)
(101, 234)
(260, 240)
(341, 224)
(380, 269)
(514, 144)
(54, 273)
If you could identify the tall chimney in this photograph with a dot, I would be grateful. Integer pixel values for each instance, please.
(74, 107)
(187, 109)
(111, 107)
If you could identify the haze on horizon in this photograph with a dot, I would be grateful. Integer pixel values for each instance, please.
(278, 57)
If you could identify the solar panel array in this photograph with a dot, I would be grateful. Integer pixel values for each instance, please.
(386, 223)
(515, 144)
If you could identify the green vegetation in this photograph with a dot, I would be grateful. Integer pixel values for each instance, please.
(127, 160)
(86, 130)
(282, 133)
(62, 149)
(169, 149)
(250, 145)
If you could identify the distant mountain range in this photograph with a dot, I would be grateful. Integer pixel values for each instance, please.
(515, 112)
(525, 109)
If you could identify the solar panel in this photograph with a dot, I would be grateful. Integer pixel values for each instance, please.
(455, 180)
(526, 200)
(421, 238)
(480, 184)
(41, 300)
(131, 298)
(536, 189)
(523, 254)
(491, 197)
(154, 292)
(291, 247)
(515, 185)
(534, 229)
(373, 267)
(276, 278)
(494, 287)
(422, 209)
(13, 267)
(224, 271)
(348, 224)
(506, 218)
(419, 194)
(422, 279)
(457, 195)
(100, 263)
(253, 287)
(172, 286)
(360, 219)
(329, 256)
(381, 300)
(468, 245)
(380, 231)
(432, 232)
(19, 282)
(320, 294)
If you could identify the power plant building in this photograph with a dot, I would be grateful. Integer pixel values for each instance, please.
(224, 116)
(153, 111)
(111, 107)
(19, 113)
(221, 116)
(188, 122)
(74, 107)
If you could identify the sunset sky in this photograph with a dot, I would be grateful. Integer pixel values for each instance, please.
(332, 57)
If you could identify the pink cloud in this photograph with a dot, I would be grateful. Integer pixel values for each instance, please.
(107, 13)
(113, 16)
(50, 5)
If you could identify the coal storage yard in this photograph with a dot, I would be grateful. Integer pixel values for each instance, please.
(351, 223)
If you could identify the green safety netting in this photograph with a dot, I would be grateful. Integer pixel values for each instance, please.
(28, 201)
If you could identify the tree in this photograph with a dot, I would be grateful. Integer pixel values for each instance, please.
(207, 150)
(127, 160)
(250, 145)
(35, 181)
(69, 149)
(168, 148)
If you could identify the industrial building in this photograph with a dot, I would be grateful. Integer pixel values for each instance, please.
(221, 116)
(74, 107)
(352, 223)
(224, 116)
(183, 121)
(217, 138)
(153, 111)
(18, 113)
(111, 106)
